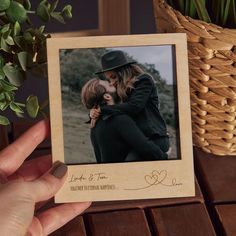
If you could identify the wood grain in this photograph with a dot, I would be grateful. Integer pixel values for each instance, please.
(226, 215)
(217, 176)
(118, 223)
(182, 220)
(142, 204)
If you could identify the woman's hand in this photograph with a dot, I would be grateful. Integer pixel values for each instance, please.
(94, 115)
(24, 186)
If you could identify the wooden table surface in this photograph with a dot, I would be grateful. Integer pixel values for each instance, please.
(211, 212)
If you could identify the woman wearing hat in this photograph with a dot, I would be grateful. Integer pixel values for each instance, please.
(138, 95)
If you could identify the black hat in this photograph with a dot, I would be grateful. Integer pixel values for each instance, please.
(113, 60)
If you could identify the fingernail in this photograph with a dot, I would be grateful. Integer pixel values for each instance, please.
(59, 169)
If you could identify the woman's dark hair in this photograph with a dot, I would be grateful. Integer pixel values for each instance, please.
(127, 75)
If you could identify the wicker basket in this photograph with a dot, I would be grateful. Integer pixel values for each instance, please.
(212, 66)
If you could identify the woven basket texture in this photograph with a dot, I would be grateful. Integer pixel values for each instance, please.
(212, 74)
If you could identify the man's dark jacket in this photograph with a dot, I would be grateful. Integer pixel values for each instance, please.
(116, 134)
(142, 105)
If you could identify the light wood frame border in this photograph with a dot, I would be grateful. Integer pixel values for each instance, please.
(171, 178)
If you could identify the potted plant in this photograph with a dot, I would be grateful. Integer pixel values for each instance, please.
(22, 49)
(212, 66)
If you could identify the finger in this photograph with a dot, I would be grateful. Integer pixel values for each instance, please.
(56, 217)
(13, 156)
(96, 114)
(97, 111)
(93, 122)
(33, 169)
(47, 185)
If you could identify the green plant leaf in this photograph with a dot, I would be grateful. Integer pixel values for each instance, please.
(1, 62)
(7, 86)
(41, 29)
(233, 12)
(181, 5)
(10, 40)
(28, 37)
(66, 12)
(4, 45)
(221, 10)
(4, 120)
(20, 104)
(192, 10)
(9, 96)
(2, 75)
(27, 4)
(17, 28)
(14, 75)
(16, 12)
(2, 97)
(43, 12)
(58, 17)
(4, 105)
(6, 34)
(201, 10)
(14, 107)
(20, 42)
(32, 106)
(54, 5)
(22, 57)
(4, 4)
(226, 12)
(5, 28)
(186, 8)
(20, 115)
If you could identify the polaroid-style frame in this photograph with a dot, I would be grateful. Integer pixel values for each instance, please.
(128, 180)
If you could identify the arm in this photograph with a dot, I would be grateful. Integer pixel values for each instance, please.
(137, 99)
(133, 136)
(24, 184)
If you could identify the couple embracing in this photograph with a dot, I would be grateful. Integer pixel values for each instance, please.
(125, 118)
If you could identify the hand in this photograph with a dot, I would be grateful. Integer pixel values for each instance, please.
(95, 113)
(23, 185)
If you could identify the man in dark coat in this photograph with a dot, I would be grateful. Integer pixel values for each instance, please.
(116, 134)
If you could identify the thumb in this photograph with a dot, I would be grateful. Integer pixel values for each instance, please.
(47, 185)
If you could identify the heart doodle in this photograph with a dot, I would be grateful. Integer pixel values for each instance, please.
(161, 175)
(151, 179)
(156, 177)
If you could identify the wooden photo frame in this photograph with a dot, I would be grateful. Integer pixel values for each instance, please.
(123, 180)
